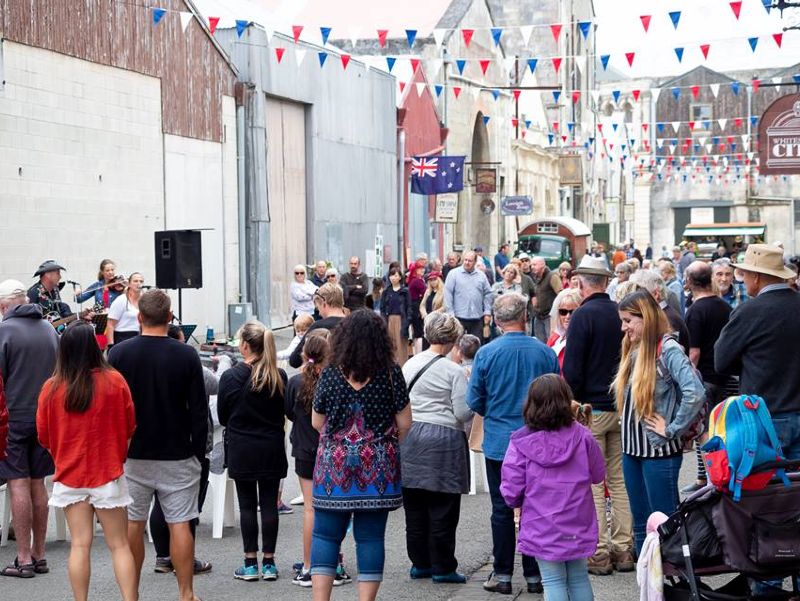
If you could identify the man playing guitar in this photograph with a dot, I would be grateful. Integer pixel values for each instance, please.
(46, 293)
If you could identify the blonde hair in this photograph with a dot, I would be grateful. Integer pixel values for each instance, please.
(641, 377)
(302, 322)
(332, 294)
(265, 372)
(567, 294)
(438, 294)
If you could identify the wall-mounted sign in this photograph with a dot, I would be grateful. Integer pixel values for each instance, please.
(485, 180)
(516, 205)
(487, 206)
(779, 136)
(446, 208)
(570, 168)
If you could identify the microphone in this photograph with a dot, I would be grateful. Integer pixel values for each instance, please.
(73, 282)
(146, 287)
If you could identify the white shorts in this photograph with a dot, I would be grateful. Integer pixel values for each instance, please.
(109, 496)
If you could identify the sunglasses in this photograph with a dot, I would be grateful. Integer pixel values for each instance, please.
(565, 312)
(525, 260)
(299, 272)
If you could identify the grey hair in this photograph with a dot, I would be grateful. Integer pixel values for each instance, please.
(652, 282)
(422, 255)
(594, 281)
(723, 262)
(468, 346)
(441, 328)
(625, 266)
(510, 308)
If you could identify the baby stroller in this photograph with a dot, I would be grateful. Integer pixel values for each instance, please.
(757, 538)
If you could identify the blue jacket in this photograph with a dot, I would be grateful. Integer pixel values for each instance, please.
(501, 374)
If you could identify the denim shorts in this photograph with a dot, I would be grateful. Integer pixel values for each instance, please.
(108, 496)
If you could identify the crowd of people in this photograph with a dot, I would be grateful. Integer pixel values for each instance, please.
(582, 388)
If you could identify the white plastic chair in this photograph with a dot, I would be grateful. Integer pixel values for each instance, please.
(223, 494)
(477, 465)
(6, 519)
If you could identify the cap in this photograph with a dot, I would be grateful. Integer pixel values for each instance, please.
(433, 274)
(11, 288)
(47, 266)
(478, 249)
(523, 256)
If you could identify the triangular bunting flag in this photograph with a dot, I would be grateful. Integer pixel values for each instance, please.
(484, 63)
(345, 58)
(778, 37)
(496, 93)
(704, 48)
(676, 92)
(735, 88)
(595, 96)
(411, 35)
(584, 28)
(767, 4)
(382, 34)
(486, 119)
(615, 95)
(736, 7)
(756, 83)
(526, 31)
(655, 93)
(614, 126)
(635, 94)
(630, 56)
(514, 122)
(556, 95)
(532, 64)
(414, 64)
(158, 14)
(679, 54)
(754, 120)
(676, 125)
(296, 31)
(555, 29)
(324, 33)
(279, 52)
(390, 61)
(299, 55)
(323, 56)
(695, 91)
(402, 85)
(580, 62)
(438, 36)
(438, 88)
(576, 95)
(528, 123)
(420, 85)
(212, 24)
(516, 94)
(753, 43)
(241, 25)
(777, 81)
(456, 91)
(604, 60)
(186, 18)
(496, 33)
(556, 63)
(460, 64)
(269, 33)
(714, 87)
(646, 22)
(675, 17)
(467, 34)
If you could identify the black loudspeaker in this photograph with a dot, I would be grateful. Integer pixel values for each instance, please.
(179, 261)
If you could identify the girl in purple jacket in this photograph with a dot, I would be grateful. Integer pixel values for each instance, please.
(548, 471)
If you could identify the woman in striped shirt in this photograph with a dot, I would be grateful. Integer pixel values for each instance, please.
(658, 395)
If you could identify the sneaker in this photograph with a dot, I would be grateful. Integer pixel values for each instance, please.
(163, 566)
(535, 588)
(342, 577)
(201, 567)
(451, 578)
(600, 564)
(419, 573)
(269, 571)
(623, 561)
(297, 500)
(496, 586)
(246, 573)
(302, 579)
(297, 567)
(284, 509)
(693, 487)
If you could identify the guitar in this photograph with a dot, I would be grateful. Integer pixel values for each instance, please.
(61, 323)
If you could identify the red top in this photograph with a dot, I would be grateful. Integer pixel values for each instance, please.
(3, 421)
(88, 448)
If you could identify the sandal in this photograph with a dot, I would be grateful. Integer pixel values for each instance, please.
(17, 570)
(40, 566)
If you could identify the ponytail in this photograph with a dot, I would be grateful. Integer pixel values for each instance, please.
(315, 355)
(265, 372)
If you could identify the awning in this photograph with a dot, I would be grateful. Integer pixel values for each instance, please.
(693, 232)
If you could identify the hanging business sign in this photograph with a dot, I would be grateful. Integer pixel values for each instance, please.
(516, 205)
(446, 208)
(779, 137)
(485, 180)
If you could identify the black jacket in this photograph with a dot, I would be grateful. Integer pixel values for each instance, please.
(304, 438)
(591, 358)
(406, 307)
(760, 343)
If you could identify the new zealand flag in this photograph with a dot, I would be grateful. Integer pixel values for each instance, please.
(437, 175)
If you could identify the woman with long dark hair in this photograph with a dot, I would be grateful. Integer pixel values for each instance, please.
(123, 316)
(85, 419)
(396, 308)
(250, 406)
(361, 411)
(658, 395)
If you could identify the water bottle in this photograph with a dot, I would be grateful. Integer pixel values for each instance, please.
(209, 335)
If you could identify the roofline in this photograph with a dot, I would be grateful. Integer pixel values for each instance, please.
(190, 5)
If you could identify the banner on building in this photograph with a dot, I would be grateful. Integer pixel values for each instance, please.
(437, 175)
(446, 208)
(516, 205)
(779, 137)
(485, 180)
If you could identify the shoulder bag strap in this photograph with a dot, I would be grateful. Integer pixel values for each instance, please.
(422, 371)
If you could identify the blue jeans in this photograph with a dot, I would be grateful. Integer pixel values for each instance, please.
(652, 485)
(504, 531)
(369, 530)
(566, 580)
(787, 427)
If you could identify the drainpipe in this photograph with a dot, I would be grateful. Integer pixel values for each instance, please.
(401, 185)
(242, 199)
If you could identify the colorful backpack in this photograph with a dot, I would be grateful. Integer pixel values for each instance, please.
(741, 437)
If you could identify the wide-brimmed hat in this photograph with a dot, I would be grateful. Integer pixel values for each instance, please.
(48, 265)
(590, 265)
(766, 259)
(11, 289)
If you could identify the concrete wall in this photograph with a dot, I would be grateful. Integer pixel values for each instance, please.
(98, 177)
(351, 153)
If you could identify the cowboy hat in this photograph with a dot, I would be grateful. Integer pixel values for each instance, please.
(590, 265)
(47, 266)
(766, 259)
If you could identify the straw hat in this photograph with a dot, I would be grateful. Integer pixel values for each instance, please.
(766, 259)
(590, 265)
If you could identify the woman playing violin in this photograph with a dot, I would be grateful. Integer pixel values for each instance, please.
(107, 287)
(123, 316)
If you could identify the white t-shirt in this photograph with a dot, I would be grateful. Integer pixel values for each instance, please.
(126, 314)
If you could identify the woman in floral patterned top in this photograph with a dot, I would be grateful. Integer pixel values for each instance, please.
(361, 411)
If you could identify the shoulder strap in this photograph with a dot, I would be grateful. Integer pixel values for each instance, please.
(661, 366)
(422, 371)
(746, 409)
(762, 413)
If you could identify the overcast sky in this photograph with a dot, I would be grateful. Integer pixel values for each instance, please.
(619, 30)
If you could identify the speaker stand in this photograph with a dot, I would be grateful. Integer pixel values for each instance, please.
(180, 305)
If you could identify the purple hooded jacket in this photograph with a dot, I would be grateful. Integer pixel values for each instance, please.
(549, 474)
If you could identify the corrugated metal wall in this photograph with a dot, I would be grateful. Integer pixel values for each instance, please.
(194, 74)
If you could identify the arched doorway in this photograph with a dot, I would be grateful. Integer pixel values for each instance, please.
(474, 227)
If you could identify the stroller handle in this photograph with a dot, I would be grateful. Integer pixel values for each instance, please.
(790, 465)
